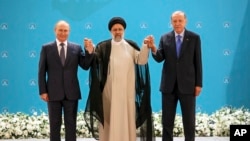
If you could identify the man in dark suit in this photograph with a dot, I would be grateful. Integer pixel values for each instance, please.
(181, 78)
(58, 80)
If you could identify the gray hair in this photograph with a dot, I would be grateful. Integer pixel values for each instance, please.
(178, 13)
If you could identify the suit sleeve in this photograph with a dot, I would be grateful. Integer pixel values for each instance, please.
(42, 69)
(85, 59)
(198, 63)
(159, 54)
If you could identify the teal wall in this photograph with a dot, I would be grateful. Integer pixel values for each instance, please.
(222, 24)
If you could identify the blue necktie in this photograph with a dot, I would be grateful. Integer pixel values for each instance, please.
(178, 45)
(62, 54)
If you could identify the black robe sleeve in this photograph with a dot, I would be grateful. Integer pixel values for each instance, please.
(93, 114)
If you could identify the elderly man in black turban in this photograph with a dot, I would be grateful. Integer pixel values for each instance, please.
(118, 107)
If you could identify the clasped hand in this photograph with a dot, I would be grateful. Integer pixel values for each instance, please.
(149, 40)
(89, 46)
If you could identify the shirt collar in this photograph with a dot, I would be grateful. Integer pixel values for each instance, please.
(58, 42)
(182, 33)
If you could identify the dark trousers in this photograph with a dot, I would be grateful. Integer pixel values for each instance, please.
(67, 109)
(169, 105)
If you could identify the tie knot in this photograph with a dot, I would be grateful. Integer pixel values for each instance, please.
(179, 36)
(62, 44)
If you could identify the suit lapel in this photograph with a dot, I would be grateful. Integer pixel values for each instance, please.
(55, 52)
(69, 49)
(173, 44)
(184, 43)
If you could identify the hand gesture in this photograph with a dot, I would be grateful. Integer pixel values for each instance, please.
(89, 46)
(149, 40)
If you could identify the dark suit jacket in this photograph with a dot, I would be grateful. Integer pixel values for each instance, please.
(185, 70)
(58, 80)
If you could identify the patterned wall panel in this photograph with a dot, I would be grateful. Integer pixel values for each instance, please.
(223, 26)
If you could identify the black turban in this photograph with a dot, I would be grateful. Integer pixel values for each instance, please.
(117, 20)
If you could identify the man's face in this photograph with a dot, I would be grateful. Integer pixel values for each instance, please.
(62, 32)
(117, 32)
(178, 22)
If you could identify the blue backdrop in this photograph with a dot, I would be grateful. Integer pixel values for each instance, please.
(222, 24)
